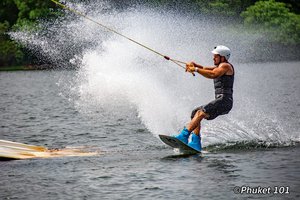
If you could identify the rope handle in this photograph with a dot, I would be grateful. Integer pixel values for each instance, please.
(177, 62)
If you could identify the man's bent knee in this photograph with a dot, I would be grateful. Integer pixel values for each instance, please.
(200, 114)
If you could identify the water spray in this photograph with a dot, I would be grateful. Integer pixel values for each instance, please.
(177, 62)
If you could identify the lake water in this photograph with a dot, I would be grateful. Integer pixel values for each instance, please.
(255, 145)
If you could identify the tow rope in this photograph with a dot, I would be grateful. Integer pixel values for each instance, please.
(177, 62)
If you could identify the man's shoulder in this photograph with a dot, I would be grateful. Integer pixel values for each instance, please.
(225, 64)
(228, 67)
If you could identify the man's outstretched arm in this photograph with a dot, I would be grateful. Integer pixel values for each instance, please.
(208, 73)
(202, 67)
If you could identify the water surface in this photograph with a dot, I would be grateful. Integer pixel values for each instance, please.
(40, 108)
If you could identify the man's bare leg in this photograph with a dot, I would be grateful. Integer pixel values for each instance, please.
(197, 129)
(195, 124)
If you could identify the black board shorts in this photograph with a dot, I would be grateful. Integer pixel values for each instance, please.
(220, 106)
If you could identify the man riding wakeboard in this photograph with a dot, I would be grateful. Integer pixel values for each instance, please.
(223, 75)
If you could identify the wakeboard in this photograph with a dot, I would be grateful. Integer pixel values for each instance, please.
(177, 144)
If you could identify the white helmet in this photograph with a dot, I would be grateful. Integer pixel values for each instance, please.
(222, 51)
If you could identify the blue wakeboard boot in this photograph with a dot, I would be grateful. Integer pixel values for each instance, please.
(195, 143)
(183, 136)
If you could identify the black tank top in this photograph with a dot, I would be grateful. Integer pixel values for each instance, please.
(224, 84)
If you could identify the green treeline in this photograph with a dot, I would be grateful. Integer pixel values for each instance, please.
(279, 19)
(275, 19)
(16, 15)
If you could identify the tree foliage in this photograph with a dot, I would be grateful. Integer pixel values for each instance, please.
(275, 19)
(10, 52)
(219, 7)
(19, 14)
(32, 10)
(279, 19)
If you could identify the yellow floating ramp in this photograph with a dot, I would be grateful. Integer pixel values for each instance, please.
(15, 151)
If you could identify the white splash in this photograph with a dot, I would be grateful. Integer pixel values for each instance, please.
(113, 71)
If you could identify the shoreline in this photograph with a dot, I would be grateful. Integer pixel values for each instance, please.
(23, 68)
(245, 60)
(13, 68)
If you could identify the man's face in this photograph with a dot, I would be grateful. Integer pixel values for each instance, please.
(217, 59)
